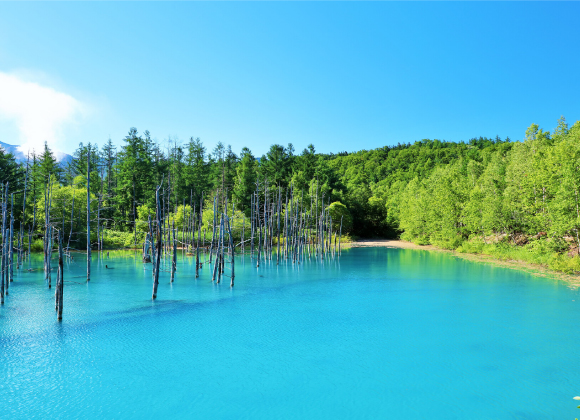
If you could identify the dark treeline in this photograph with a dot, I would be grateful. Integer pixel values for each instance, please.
(483, 191)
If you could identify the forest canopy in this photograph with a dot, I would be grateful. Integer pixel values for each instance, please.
(429, 192)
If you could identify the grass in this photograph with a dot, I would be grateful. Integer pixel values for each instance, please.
(541, 252)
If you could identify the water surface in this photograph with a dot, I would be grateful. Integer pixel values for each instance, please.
(378, 333)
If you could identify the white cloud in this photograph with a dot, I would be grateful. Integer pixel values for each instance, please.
(40, 113)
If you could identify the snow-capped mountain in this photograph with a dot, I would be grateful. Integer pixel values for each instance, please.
(20, 156)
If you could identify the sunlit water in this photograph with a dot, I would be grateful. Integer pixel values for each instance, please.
(380, 333)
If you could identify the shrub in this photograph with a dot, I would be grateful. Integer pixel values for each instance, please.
(447, 243)
(37, 245)
(421, 240)
(114, 239)
(337, 211)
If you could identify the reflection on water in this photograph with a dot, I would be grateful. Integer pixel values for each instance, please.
(380, 333)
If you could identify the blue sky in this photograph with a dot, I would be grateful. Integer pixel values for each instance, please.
(343, 76)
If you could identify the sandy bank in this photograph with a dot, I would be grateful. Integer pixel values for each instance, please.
(386, 243)
(535, 269)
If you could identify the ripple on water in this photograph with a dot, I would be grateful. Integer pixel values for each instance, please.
(382, 333)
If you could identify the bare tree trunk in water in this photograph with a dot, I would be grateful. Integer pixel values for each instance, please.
(11, 246)
(231, 240)
(340, 235)
(89, 215)
(60, 278)
(174, 257)
(158, 247)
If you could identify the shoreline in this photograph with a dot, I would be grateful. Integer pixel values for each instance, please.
(530, 268)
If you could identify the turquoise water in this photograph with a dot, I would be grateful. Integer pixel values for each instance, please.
(380, 333)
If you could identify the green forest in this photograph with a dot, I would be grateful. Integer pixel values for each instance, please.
(510, 199)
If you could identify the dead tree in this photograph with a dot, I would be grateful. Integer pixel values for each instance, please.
(232, 261)
(174, 257)
(60, 278)
(279, 209)
(89, 215)
(2, 283)
(4, 246)
(149, 242)
(200, 221)
(216, 265)
(158, 246)
(11, 245)
(220, 262)
(72, 212)
(21, 246)
(213, 231)
(340, 235)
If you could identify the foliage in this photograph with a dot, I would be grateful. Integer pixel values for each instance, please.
(509, 199)
(116, 240)
(245, 179)
(340, 214)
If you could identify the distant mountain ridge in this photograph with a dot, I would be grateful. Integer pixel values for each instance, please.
(61, 157)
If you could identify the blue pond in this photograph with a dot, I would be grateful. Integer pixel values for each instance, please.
(378, 333)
